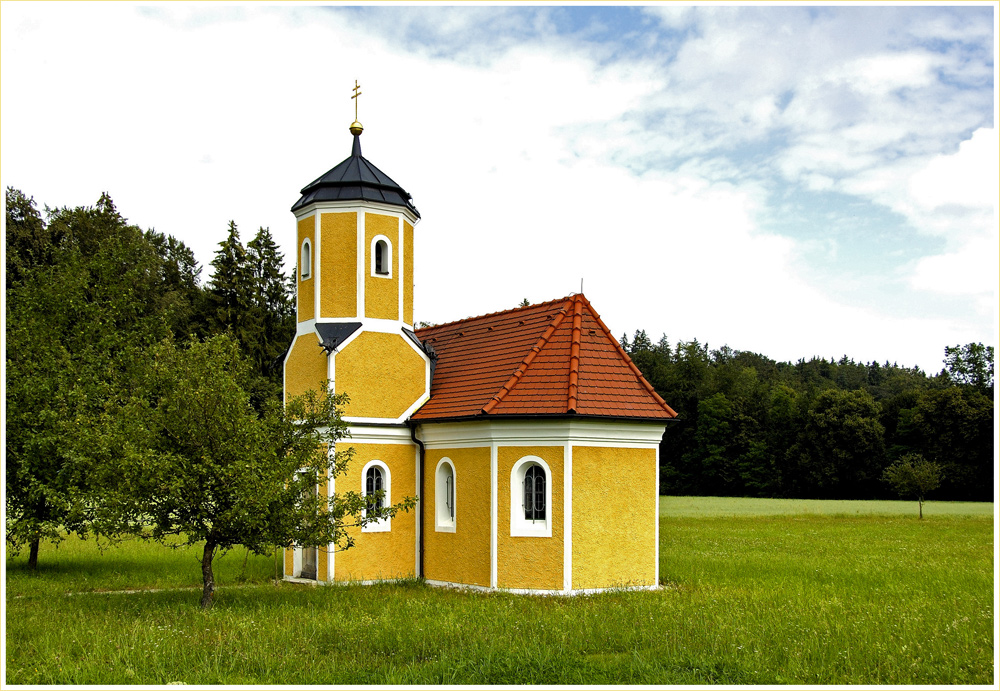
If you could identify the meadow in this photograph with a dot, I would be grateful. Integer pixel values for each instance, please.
(755, 592)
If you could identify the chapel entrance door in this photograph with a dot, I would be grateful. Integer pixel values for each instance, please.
(309, 562)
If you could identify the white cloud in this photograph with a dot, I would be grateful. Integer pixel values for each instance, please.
(515, 151)
(965, 178)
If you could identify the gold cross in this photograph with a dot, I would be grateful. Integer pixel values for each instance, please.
(357, 92)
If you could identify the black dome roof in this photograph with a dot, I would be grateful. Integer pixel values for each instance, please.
(355, 178)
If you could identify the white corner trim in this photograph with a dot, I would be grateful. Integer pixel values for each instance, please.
(568, 517)
(493, 515)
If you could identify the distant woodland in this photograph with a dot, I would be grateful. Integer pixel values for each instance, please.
(84, 288)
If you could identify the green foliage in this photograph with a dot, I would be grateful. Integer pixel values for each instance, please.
(913, 476)
(971, 365)
(750, 426)
(183, 452)
(250, 297)
(86, 289)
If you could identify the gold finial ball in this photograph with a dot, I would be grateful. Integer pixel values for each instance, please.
(356, 128)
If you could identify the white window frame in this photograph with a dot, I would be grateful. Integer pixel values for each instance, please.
(384, 525)
(386, 260)
(306, 258)
(443, 522)
(519, 527)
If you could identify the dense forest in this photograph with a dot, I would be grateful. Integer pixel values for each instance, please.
(89, 295)
(750, 426)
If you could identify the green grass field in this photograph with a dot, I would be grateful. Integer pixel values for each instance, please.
(758, 592)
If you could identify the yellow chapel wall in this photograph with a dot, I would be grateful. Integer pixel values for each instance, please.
(614, 517)
(306, 367)
(464, 555)
(382, 555)
(381, 373)
(306, 288)
(381, 293)
(407, 273)
(530, 562)
(339, 285)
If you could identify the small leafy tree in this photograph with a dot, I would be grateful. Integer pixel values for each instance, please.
(187, 454)
(913, 475)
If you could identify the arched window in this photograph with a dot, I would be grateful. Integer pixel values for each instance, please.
(531, 498)
(534, 494)
(305, 262)
(381, 257)
(375, 486)
(444, 496)
(374, 483)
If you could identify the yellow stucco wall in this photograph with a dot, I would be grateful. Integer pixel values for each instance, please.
(382, 374)
(462, 556)
(289, 562)
(389, 554)
(407, 273)
(307, 288)
(381, 294)
(614, 517)
(529, 562)
(339, 283)
(306, 367)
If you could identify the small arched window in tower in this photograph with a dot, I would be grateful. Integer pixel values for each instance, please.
(305, 262)
(534, 494)
(382, 258)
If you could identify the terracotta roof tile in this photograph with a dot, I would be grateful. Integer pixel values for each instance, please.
(554, 358)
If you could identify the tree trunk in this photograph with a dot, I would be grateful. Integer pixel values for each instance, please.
(920, 503)
(207, 577)
(33, 555)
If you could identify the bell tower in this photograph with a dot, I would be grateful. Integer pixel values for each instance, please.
(354, 233)
(355, 247)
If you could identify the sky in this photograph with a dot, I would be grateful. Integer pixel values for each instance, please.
(796, 181)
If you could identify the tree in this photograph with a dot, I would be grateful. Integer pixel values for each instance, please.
(87, 289)
(250, 297)
(971, 365)
(913, 476)
(185, 453)
(841, 446)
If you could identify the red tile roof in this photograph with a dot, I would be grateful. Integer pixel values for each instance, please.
(554, 358)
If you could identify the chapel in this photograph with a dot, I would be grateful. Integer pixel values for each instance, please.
(528, 436)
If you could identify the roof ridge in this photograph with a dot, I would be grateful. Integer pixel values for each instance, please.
(628, 360)
(526, 362)
(496, 314)
(574, 355)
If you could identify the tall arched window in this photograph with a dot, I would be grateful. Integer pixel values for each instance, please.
(376, 485)
(530, 498)
(534, 494)
(305, 262)
(444, 496)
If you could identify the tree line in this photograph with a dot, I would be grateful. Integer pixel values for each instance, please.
(817, 428)
(141, 402)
